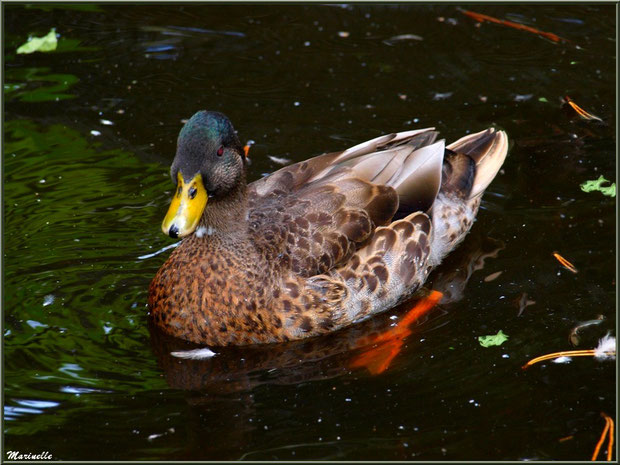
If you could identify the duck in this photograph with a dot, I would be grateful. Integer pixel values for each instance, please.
(317, 245)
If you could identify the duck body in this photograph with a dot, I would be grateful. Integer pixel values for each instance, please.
(317, 245)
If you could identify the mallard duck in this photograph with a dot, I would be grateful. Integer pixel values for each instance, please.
(317, 245)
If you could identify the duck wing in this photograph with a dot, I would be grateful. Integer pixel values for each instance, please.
(314, 215)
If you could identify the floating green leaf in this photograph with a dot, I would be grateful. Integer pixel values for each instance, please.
(595, 185)
(543, 100)
(493, 339)
(47, 43)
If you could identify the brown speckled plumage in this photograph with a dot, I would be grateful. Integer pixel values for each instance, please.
(314, 247)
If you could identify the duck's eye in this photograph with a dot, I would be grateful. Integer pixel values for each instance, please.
(220, 151)
(192, 192)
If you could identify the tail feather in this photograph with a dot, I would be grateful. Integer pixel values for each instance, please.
(408, 161)
(470, 165)
(457, 175)
(488, 150)
(380, 142)
(417, 182)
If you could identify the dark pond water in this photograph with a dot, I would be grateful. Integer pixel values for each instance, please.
(90, 131)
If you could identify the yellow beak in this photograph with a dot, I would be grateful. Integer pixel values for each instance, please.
(188, 203)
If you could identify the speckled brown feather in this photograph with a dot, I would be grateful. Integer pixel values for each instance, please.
(316, 228)
(310, 248)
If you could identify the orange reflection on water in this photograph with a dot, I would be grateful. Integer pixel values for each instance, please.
(388, 344)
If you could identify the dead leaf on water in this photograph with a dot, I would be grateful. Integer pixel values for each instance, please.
(402, 37)
(569, 104)
(522, 302)
(605, 350)
(482, 18)
(565, 263)
(608, 432)
(492, 276)
(573, 336)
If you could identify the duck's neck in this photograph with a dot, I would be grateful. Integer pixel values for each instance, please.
(227, 215)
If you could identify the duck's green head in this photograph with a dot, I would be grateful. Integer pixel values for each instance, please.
(209, 163)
